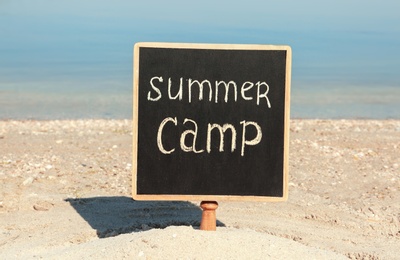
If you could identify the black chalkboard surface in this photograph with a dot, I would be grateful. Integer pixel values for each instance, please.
(211, 121)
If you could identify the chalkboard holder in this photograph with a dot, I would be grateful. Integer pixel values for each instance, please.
(252, 164)
(208, 217)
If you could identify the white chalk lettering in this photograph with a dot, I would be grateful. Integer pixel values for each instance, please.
(231, 90)
(192, 132)
(180, 92)
(259, 95)
(190, 135)
(244, 89)
(190, 83)
(256, 139)
(233, 83)
(159, 135)
(157, 90)
(222, 130)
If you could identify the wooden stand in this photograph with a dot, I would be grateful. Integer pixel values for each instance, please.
(208, 217)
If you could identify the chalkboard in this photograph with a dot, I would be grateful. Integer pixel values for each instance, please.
(210, 121)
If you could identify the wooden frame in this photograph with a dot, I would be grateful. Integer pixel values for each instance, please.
(136, 101)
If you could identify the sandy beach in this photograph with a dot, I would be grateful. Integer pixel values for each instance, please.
(66, 194)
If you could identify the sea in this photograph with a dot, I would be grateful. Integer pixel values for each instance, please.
(74, 59)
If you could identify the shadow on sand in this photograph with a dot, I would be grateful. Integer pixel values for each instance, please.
(111, 216)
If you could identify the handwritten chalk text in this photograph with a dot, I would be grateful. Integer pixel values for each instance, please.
(214, 89)
(192, 132)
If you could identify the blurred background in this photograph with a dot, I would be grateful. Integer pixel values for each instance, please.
(73, 59)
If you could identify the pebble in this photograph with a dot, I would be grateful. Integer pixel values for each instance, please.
(28, 181)
(128, 166)
(43, 206)
(359, 155)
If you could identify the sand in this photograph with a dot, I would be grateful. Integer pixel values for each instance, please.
(65, 194)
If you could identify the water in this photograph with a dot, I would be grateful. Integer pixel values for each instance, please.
(74, 59)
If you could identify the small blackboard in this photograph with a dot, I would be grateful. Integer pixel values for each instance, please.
(211, 121)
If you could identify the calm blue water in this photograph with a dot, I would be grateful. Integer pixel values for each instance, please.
(74, 59)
